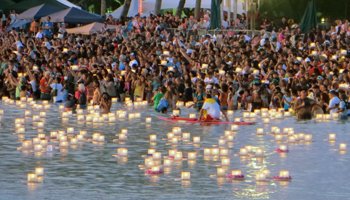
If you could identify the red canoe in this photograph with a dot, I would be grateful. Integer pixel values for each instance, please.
(194, 120)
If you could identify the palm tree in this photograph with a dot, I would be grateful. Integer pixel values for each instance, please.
(180, 7)
(197, 9)
(126, 8)
(103, 7)
(158, 7)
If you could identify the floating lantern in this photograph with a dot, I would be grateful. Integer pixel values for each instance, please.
(186, 136)
(170, 135)
(237, 119)
(266, 120)
(196, 139)
(260, 177)
(74, 141)
(21, 130)
(122, 152)
(308, 138)
(80, 137)
(236, 175)
(148, 120)
(282, 149)
(157, 155)
(156, 170)
(178, 156)
(38, 147)
(230, 112)
(225, 162)
(180, 104)
(243, 152)
(191, 155)
(222, 142)
(342, 147)
(224, 152)
(70, 130)
(32, 178)
(152, 138)
(207, 151)
(259, 131)
(283, 176)
(189, 103)
(172, 152)
(39, 171)
(27, 144)
(214, 151)
(291, 139)
(331, 137)
(167, 162)
(220, 172)
(185, 175)
(230, 138)
(151, 151)
(122, 137)
(192, 116)
(234, 127)
(176, 113)
(227, 133)
(174, 140)
(41, 136)
(176, 130)
(301, 136)
(259, 152)
(278, 137)
(63, 144)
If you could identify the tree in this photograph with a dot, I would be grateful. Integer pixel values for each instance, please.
(180, 7)
(197, 9)
(158, 7)
(126, 8)
(103, 7)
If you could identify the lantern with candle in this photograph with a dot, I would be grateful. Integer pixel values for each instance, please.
(153, 138)
(342, 147)
(32, 178)
(282, 149)
(225, 162)
(283, 176)
(236, 175)
(185, 175)
(220, 171)
(191, 155)
(123, 152)
(186, 136)
(196, 139)
(259, 131)
(331, 137)
(148, 120)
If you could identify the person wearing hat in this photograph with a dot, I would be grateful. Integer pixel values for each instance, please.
(334, 102)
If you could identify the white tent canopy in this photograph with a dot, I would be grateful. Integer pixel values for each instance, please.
(149, 5)
(68, 4)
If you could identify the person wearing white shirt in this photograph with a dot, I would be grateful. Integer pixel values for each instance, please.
(333, 102)
(57, 86)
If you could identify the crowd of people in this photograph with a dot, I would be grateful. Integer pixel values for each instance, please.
(166, 59)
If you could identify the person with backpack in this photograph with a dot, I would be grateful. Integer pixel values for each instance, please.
(81, 96)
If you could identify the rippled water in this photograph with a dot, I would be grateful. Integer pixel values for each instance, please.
(90, 171)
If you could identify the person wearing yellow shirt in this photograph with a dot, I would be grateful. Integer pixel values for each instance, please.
(210, 110)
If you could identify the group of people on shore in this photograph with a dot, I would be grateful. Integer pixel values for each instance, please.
(165, 59)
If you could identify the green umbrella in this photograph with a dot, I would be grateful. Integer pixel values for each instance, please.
(309, 20)
(215, 18)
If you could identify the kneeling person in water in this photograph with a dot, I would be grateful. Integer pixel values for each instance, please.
(210, 110)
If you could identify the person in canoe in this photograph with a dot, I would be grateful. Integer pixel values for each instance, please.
(210, 110)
